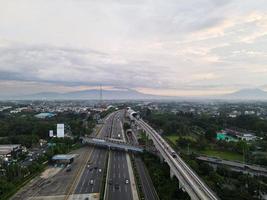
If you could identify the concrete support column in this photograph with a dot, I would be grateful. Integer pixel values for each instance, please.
(172, 175)
(160, 157)
(180, 185)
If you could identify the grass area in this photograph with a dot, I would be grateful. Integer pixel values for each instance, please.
(174, 138)
(223, 154)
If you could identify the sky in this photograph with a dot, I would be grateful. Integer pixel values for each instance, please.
(165, 47)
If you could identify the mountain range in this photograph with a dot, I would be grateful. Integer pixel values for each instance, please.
(130, 94)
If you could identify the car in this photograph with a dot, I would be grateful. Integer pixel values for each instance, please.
(117, 186)
(99, 170)
(68, 169)
(95, 167)
(126, 181)
(91, 182)
(88, 166)
(110, 181)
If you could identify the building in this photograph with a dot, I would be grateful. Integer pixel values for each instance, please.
(60, 130)
(223, 136)
(63, 158)
(8, 151)
(247, 137)
(44, 115)
(237, 135)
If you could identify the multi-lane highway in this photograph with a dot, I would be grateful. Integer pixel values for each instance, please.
(118, 181)
(91, 179)
(118, 178)
(148, 189)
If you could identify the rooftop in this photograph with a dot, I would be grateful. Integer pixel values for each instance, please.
(63, 156)
(44, 115)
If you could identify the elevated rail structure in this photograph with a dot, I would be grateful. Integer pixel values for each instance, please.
(189, 181)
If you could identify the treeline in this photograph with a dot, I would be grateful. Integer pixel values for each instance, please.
(226, 183)
(27, 130)
(182, 123)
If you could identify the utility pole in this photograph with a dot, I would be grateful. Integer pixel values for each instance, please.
(187, 148)
(101, 96)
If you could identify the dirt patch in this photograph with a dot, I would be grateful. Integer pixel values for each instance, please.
(50, 172)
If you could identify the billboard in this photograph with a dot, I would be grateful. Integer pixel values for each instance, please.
(51, 133)
(60, 130)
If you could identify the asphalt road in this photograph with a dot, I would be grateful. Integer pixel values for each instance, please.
(92, 176)
(118, 173)
(145, 180)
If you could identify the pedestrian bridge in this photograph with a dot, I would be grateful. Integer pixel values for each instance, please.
(111, 144)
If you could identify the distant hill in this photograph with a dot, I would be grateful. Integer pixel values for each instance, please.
(130, 94)
(117, 94)
(247, 94)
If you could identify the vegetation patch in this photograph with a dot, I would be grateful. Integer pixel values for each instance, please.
(226, 155)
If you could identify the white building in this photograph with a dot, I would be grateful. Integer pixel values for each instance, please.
(60, 130)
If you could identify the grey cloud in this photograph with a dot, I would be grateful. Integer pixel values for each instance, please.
(131, 43)
(87, 67)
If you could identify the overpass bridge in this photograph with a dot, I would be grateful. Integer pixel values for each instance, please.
(189, 181)
(111, 144)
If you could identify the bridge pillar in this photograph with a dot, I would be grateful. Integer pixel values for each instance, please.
(160, 157)
(172, 175)
(180, 185)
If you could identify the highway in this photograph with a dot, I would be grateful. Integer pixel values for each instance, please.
(189, 180)
(236, 166)
(92, 176)
(119, 186)
(145, 180)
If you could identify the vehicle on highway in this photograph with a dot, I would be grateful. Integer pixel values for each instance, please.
(91, 182)
(110, 181)
(99, 170)
(68, 168)
(126, 181)
(117, 186)
(174, 155)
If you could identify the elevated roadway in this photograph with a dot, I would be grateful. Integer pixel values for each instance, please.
(112, 144)
(188, 179)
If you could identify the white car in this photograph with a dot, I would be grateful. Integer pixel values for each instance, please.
(126, 181)
(100, 170)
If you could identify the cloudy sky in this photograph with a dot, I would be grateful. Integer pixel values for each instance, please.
(169, 47)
